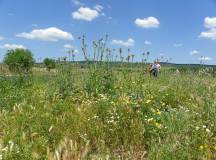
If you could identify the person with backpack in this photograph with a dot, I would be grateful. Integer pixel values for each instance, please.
(155, 69)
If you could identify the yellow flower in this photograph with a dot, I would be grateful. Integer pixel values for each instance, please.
(158, 125)
(214, 147)
(201, 147)
(148, 101)
(158, 112)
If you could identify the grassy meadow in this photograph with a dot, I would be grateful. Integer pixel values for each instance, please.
(103, 112)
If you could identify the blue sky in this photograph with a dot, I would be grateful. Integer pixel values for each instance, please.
(183, 30)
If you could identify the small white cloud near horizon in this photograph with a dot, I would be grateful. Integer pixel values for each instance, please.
(49, 34)
(204, 58)
(12, 46)
(149, 22)
(177, 45)
(87, 14)
(68, 46)
(129, 43)
(148, 43)
(210, 24)
(194, 52)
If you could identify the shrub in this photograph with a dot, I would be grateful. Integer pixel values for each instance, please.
(49, 63)
(19, 60)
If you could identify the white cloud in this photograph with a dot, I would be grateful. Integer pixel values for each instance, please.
(150, 22)
(194, 52)
(68, 46)
(129, 43)
(77, 3)
(210, 34)
(1, 38)
(86, 14)
(49, 34)
(177, 45)
(98, 7)
(210, 22)
(203, 58)
(147, 43)
(12, 46)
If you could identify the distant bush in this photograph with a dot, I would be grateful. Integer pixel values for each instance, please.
(19, 60)
(49, 63)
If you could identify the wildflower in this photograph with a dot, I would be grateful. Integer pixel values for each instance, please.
(158, 112)
(204, 126)
(201, 147)
(208, 130)
(158, 125)
(148, 101)
(214, 147)
(150, 120)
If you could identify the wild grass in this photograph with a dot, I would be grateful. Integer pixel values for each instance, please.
(100, 113)
(108, 109)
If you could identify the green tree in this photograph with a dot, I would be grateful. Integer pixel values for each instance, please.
(49, 63)
(19, 60)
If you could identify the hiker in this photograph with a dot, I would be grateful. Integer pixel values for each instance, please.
(155, 69)
(158, 66)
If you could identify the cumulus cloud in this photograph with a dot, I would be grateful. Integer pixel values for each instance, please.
(48, 34)
(210, 24)
(68, 46)
(129, 43)
(148, 43)
(177, 45)
(210, 34)
(194, 52)
(86, 13)
(149, 22)
(12, 46)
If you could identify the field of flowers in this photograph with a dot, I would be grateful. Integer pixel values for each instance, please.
(100, 112)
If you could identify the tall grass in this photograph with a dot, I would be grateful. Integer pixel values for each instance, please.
(101, 111)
